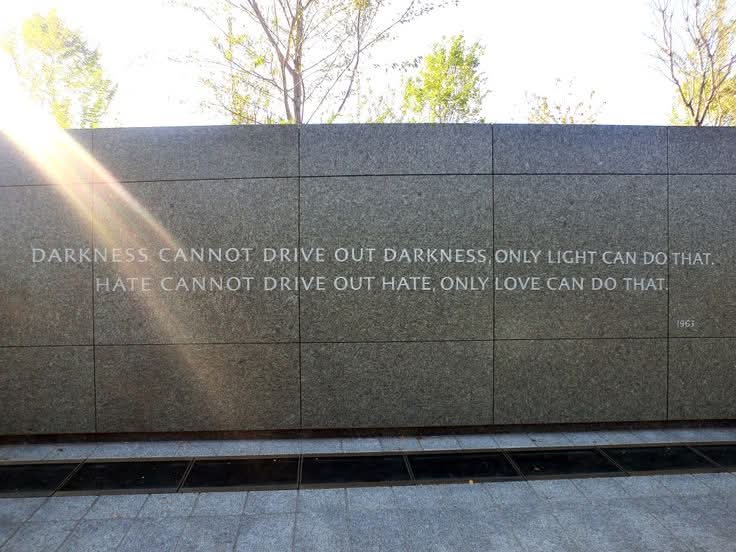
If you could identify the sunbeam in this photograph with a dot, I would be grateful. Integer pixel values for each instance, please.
(115, 216)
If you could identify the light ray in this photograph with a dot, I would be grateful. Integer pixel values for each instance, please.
(115, 216)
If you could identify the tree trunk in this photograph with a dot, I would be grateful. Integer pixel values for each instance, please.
(297, 75)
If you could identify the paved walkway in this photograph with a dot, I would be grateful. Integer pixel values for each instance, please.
(649, 513)
(248, 447)
(694, 512)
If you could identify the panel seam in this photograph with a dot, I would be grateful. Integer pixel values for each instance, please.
(299, 267)
(669, 283)
(93, 215)
(493, 274)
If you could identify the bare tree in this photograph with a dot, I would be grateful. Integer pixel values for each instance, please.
(697, 55)
(565, 106)
(300, 58)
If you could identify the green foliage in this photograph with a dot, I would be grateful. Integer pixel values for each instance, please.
(60, 71)
(564, 107)
(449, 85)
(296, 61)
(379, 108)
(721, 112)
(232, 80)
(697, 53)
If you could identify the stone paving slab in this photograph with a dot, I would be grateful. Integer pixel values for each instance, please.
(266, 532)
(665, 512)
(285, 446)
(671, 512)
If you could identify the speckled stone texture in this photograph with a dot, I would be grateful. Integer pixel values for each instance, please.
(376, 149)
(197, 387)
(171, 153)
(202, 360)
(599, 149)
(397, 384)
(64, 158)
(702, 220)
(44, 303)
(702, 379)
(397, 212)
(220, 214)
(46, 390)
(702, 150)
(580, 212)
(569, 381)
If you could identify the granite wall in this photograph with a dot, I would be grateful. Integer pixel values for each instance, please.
(80, 354)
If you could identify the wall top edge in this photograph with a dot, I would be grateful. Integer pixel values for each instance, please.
(425, 125)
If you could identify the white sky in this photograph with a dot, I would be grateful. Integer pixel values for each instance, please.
(601, 44)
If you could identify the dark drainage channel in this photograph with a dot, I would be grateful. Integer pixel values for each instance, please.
(356, 470)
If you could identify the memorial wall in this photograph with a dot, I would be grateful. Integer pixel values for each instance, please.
(367, 276)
